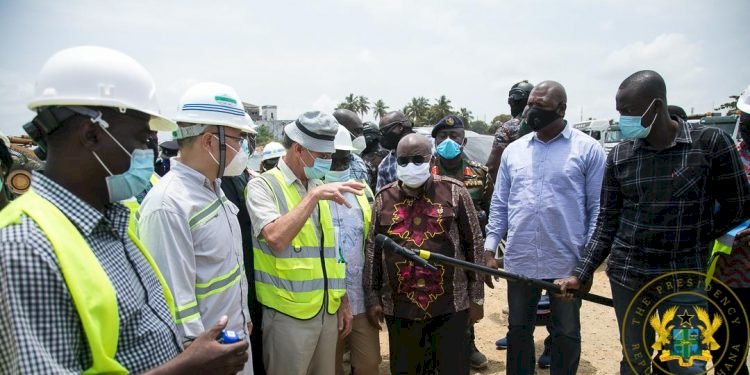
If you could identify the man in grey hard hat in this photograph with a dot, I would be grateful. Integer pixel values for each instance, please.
(298, 278)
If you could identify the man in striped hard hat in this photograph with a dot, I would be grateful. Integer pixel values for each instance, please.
(187, 222)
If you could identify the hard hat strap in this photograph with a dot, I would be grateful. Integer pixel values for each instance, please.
(189, 131)
(222, 152)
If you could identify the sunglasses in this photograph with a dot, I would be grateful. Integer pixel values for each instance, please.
(416, 160)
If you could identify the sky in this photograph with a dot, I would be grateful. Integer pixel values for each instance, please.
(302, 55)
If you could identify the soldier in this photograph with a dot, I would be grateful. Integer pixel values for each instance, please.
(451, 161)
(511, 129)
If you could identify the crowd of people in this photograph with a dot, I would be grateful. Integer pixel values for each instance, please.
(129, 256)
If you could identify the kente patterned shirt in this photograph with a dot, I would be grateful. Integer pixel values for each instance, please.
(442, 219)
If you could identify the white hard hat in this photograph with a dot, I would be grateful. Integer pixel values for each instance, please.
(97, 76)
(743, 102)
(210, 103)
(272, 150)
(343, 140)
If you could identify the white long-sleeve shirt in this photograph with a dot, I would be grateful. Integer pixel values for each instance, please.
(192, 231)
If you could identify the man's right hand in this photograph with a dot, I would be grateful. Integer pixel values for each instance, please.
(571, 284)
(375, 316)
(491, 262)
(207, 355)
(335, 191)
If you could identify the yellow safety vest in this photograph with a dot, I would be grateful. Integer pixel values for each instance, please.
(295, 281)
(92, 292)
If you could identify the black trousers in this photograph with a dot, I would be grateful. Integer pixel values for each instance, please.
(444, 336)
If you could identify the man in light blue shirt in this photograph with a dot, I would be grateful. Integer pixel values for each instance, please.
(546, 199)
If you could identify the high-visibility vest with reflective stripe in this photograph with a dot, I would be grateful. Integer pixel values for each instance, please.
(295, 281)
(365, 204)
(722, 246)
(92, 292)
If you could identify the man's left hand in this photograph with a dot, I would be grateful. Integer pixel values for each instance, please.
(345, 318)
(476, 312)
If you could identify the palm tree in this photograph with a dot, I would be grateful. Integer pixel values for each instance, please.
(350, 103)
(417, 109)
(379, 109)
(363, 105)
(466, 116)
(440, 109)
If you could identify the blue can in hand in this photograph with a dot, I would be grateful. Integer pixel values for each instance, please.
(230, 337)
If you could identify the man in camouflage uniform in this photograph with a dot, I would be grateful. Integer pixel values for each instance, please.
(451, 161)
(373, 154)
(511, 129)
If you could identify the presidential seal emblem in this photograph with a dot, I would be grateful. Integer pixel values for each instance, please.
(679, 319)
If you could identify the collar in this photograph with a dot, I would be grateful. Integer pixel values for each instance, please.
(289, 176)
(683, 136)
(81, 214)
(565, 133)
(194, 176)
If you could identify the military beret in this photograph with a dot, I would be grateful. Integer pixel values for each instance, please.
(447, 122)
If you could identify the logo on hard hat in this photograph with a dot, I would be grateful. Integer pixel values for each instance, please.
(225, 100)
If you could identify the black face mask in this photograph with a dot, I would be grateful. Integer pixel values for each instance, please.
(517, 106)
(389, 141)
(538, 119)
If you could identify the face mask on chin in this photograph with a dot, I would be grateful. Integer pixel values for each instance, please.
(133, 181)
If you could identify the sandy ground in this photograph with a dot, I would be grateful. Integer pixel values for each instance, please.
(600, 348)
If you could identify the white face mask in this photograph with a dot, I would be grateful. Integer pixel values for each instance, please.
(237, 165)
(359, 144)
(413, 175)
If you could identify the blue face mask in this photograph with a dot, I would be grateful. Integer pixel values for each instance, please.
(135, 180)
(448, 149)
(339, 176)
(319, 169)
(631, 126)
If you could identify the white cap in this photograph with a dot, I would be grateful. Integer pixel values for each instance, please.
(97, 76)
(314, 131)
(343, 140)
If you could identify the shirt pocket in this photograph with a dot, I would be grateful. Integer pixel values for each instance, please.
(689, 182)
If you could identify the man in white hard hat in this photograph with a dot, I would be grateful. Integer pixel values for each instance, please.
(79, 293)
(298, 278)
(187, 222)
(272, 152)
(351, 225)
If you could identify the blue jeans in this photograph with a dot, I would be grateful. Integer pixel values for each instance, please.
(565, 331)
(622, 296)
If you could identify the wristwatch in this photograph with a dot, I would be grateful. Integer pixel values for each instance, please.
(479, 301)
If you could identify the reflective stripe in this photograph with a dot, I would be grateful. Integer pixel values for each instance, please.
(298, 286)
(207, 212)
(278, 193)
(297, 252)
(187, 313)
(203, 290)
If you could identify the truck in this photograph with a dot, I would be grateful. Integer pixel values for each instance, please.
(607, 132)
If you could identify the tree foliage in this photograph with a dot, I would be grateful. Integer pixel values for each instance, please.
(379, 109)
(264, 135)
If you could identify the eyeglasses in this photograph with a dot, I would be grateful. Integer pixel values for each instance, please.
(416, 159)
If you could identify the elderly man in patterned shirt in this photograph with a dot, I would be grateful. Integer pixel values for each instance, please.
(435, 213)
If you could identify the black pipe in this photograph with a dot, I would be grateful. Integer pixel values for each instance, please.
(442, 259)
